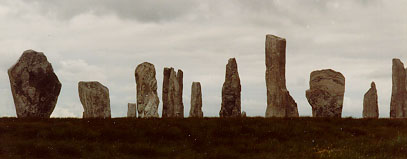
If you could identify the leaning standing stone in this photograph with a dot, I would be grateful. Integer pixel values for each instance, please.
(147, 99)
(34, 85)
(95, 99)
(231, 101)
(279, 101)
(132, 110)
(370, 104)
(196, 101)
(327, 89)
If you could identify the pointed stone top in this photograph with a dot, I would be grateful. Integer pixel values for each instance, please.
(373, 85)
(231, 67)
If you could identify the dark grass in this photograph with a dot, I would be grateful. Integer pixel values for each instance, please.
(255, 138)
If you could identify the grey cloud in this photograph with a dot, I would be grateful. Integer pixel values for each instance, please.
(142, 10)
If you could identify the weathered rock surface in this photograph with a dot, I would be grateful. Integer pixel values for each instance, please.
(196, 100)
(231, 100)
(132, 110)
(95, 99)
(172, 93)
(399, 93)
(370, 104)
(34, 85)
(179, 110)
(147, 99)
(279, 101)
(327, 89)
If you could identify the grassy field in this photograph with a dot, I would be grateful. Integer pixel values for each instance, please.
(203, 138)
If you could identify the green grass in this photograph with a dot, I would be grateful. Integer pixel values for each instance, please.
(254, 138)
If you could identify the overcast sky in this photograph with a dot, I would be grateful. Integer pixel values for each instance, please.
(105, 40)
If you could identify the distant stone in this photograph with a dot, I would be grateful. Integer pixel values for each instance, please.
(172, 93)
(398, 108)
(132, 110)
(244, 114)
(95, 99)
(279, 101)
(231, 99)
(326, 93)
(34, 85)
(196, 101)
(147, 99)
(370, 104)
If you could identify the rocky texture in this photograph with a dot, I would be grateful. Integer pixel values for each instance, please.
(172, 93)
(95, 99)
(196, 100)
(231, 100)
(179, 110)
(279, 101)
(370, 104)
(34, 85)
(147, 99)
(327, 89)
(132, 110)
(399, 93)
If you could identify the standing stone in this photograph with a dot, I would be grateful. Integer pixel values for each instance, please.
(132, 110)
(231, 100)
(196, 100)
(327, 89)
(279, 101)
(399, 93)
(172, 93)
(370, 104)
(147, 99)
(34, 85)
(244, 114)
(168, 107)
(95, 99)
(179, 109)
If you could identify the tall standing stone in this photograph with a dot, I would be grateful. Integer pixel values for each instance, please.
(231, 100)
(399, 92)
(95, 99)
(147, 98)
(131, 110)
(279, 101)
(172, 93)
(179, 110)
(327, 89)
(196, 100)
(34, 85)
(370, 104)
(168, 107)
